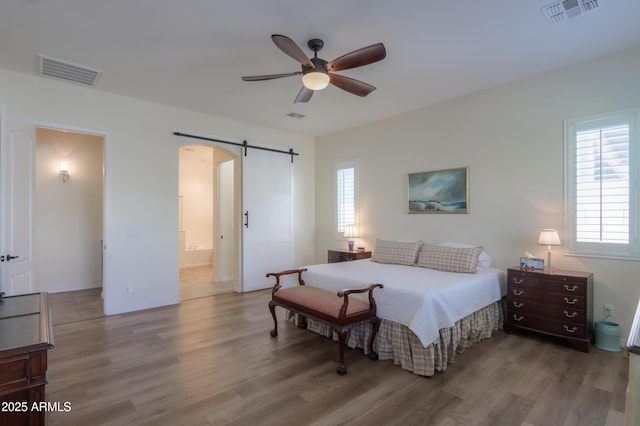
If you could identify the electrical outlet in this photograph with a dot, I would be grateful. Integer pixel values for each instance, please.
(608, 310)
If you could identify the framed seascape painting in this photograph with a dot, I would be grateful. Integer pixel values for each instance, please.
(440, 191)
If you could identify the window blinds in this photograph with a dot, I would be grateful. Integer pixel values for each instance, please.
(346, 204)
(602, 184)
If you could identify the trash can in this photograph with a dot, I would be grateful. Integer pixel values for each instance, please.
(607, 336)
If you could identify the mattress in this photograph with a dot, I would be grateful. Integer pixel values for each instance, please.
(424, 300)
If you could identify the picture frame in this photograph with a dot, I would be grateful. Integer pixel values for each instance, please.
(531, 264)
(439, 191)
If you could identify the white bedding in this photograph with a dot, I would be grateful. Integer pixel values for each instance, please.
(424, 300)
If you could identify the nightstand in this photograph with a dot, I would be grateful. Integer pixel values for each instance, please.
(558, 304)
(335, 256)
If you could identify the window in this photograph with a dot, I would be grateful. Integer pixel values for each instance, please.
(346, 196)
(601, 180)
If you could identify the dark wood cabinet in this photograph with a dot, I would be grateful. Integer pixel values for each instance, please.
(335, 256)
(558, 304)
(25, 338)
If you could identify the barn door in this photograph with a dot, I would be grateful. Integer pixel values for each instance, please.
(267, 227)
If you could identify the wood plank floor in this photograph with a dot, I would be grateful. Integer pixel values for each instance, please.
(80, 305)
(211, 361)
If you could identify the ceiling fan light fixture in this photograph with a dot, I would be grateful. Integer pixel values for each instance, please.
(317, 73)
(315, 80)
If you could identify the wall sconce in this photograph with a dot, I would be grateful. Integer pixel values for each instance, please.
(64, 171)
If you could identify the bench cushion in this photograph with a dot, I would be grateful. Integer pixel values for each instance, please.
(320, 300)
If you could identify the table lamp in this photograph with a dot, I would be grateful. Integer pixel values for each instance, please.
(549, 237)
(350, 233)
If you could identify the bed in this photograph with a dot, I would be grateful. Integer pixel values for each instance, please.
(429, 309)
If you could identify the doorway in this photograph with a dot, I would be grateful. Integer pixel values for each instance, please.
(207, 230)
(68, 222)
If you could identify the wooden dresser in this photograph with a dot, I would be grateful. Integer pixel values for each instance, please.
(25, 337)
(558, 304)
(335, 256)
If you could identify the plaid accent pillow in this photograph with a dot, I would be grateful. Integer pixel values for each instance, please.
(396, 252)
(450, 259)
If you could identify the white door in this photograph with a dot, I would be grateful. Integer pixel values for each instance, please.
(267, 217)
(17, 142)
(226, 254)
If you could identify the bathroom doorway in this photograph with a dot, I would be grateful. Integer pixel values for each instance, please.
(68, 221)
(207, 231)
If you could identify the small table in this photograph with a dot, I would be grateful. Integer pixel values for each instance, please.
(25, 337)
(344, 255)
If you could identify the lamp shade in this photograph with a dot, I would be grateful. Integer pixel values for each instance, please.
(350, 231)
(549, 237)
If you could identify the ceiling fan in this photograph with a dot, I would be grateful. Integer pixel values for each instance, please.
(318, 73)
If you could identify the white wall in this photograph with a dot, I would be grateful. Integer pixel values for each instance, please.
(67, 217)
(142, 178)
(511, 137)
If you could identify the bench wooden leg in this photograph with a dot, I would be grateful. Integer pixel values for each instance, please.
(272, 308)
(375, 325)
(342, 343)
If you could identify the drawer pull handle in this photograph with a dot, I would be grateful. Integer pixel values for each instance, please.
(572, 315)
(518, 281)
(518, 293)
(574, 288)
(572, 330)
(571, 302)
(517, 318)
(517, 305)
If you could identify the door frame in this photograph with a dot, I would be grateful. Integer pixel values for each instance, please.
(232, 213)
(235, 153)
(106, 199)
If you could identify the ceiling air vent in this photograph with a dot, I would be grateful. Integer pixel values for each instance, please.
(562, 10)
(67, 71)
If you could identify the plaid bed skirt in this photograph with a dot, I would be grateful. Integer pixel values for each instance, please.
(397, 342)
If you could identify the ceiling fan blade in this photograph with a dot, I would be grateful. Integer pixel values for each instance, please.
(290, 48)
(357, 58)
(351, 85)
(270, 76)
(303, 95)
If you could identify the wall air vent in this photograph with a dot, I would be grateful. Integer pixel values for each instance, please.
(560, 11)
(55, 68)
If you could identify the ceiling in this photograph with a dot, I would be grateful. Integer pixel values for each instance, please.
(192, 53)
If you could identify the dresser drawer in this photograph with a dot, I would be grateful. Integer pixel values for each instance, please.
(554, 286)
(541, 310)
(561, 328)
(335, 256)
(22, 370)
(556, 299)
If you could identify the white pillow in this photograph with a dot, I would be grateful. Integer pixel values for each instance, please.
(484, 260)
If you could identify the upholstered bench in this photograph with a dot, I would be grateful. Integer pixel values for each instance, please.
(338, 311)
